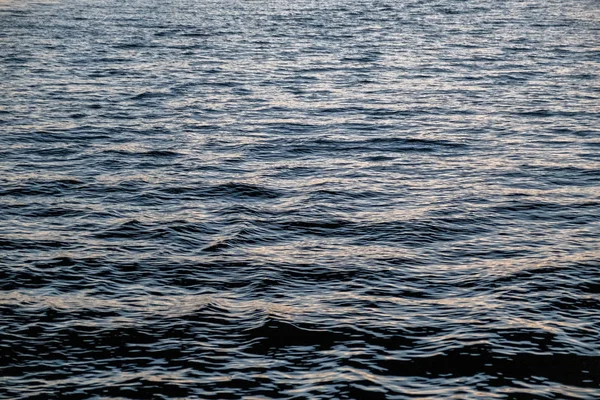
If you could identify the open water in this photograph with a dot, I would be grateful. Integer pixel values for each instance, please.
(337, 199)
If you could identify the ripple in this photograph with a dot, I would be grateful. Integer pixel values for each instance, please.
(252, 200)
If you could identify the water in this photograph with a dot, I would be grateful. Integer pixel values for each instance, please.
(327, 200)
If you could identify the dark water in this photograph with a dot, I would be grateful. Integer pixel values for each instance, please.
(325, 200)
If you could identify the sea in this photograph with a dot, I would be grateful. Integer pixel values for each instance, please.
(300, 199)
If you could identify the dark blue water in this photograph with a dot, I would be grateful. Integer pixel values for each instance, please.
(299, 199)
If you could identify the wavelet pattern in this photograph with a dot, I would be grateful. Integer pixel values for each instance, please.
(322, 200)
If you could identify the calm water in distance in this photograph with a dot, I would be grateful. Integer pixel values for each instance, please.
(335, 199)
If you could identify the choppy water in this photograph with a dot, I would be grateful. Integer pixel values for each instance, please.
(272, 199)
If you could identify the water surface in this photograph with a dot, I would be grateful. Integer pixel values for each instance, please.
(325, 200)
